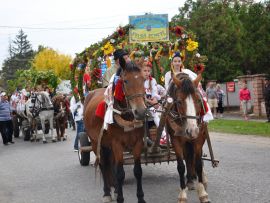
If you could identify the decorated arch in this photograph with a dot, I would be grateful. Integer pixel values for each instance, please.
(99, 55)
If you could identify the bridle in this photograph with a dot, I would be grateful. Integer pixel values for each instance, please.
(128, 98)
(131, 97)
(176, 115)
(37, 109)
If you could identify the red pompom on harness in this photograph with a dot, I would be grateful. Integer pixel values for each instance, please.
(101, 109)
(118, 91)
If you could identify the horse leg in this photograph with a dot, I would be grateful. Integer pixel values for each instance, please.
(57, 130)
(137, 170)
(33, 130)
(63, 130)
(190, 165)
(203, 196)
(51, 128)
(182, 197)
(119, 170)
(204, 178)
(42, 120)
(120, 177)
(106, 170)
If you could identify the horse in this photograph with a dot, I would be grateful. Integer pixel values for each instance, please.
(188, 133)
(42, 108)
(61, 110)
(115, 140)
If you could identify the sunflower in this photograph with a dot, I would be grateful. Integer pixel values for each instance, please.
(192, 45)
(107, 48)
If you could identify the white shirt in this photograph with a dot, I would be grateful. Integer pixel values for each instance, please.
(153, 91)
(76, 109)
(168, 76)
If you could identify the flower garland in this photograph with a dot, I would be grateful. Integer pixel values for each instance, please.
(158, 53)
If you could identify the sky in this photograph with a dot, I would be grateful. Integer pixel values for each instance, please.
(41, 21)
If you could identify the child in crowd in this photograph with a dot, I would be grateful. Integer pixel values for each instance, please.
(152, 96)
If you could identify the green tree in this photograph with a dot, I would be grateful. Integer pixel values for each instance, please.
(235, 35)
(219, 34)
(256, 39)
(20, 56)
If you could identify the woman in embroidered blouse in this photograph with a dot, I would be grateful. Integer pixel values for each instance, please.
(177, 66)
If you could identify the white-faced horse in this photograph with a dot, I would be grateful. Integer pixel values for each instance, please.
(42, 107)
(188, 133)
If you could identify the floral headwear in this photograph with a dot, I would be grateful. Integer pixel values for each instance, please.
(177, 54)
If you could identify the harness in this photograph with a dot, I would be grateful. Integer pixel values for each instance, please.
(35, 110)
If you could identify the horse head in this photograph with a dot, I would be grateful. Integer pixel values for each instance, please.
(188, 103)
(59, 105)
(133, 88)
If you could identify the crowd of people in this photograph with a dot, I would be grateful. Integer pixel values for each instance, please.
(13, 107)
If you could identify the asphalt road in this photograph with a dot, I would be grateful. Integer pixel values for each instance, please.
(51, 173)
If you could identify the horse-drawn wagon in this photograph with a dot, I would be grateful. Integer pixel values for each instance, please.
(152, 153)
(125, 141)
(37, 112)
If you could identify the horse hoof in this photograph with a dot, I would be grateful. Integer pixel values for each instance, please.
(182, 200)
(53, 140)
(37, 140)
(58, 139)
(114, 197)
(204, 199)
(44, 142)
(64, 139)
(191, 186)
(141, 201)
(106, 199)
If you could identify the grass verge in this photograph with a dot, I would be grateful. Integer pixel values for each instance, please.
(240, 127)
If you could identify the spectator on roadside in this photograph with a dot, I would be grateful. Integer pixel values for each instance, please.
(212, 97)
(266, 94)
(76, 108)
(244, 96)
(70, 116)
(6, 126)
(14, 99)
(221, 95)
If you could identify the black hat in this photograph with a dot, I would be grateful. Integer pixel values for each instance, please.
(119, 53)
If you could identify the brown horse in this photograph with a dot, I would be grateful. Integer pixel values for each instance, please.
(61, 111)
(187, 132)
(115, 140)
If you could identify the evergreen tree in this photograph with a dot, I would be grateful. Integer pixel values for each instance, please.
(20, 56)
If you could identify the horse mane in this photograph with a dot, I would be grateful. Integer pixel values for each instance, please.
(45, 99)
(131, 67)
(187, 87)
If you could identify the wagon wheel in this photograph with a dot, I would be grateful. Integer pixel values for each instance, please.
(84, 155)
